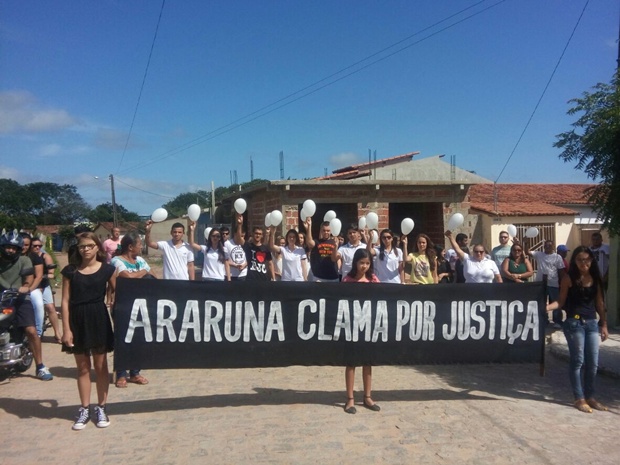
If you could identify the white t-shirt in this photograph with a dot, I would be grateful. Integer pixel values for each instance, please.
(482, 271)
(386, 270)
(346, 252)
(548, 264)
(291, 263)
(212, 267)
(237, 256)
(601, 254)
(176, 259)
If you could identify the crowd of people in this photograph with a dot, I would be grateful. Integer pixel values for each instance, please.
(89, 282)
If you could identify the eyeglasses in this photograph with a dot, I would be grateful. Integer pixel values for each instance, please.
(216, 235)
(36, 245)
(584, 260)
(224, 233)
(87, 246)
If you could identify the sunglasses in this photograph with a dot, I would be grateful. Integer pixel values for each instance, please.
(216, 235)
(36, 245)
(478, 251)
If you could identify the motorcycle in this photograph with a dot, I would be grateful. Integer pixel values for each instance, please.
(15, 353)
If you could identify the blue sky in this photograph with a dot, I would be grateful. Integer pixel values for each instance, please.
(72, 73)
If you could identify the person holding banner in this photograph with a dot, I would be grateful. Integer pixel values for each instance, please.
(129, 264)
(479, 268)
(344, 254)
(423, 260)
(517, 267)
(178, 255)
(321, 250)
(581, 295)
(215, 265)
(294, 258)
(87, 329)
(361, 272)
(388, 260)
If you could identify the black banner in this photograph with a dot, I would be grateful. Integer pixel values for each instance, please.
(180, 324)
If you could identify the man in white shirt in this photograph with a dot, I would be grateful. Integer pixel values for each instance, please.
(237, 259)
(551, 269)
(344, 254)
(178, 255)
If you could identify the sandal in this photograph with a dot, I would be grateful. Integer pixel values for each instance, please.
(596, 405)
(138, 379)
(582, 406)
(374, 407)
(121, 382)
(352, 408)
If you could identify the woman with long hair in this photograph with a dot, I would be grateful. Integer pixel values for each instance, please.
(87, 329)
(387, 258)
(423, 260)
(517, 267)
(581, 296)
(129, 264)
(294, 258)
(216, 266)
(361, 272)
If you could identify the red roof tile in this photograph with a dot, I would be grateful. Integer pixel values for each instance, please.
(527, 199)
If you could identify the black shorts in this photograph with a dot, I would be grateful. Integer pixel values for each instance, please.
(24, 315)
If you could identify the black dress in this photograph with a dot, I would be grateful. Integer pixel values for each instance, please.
(89, 319)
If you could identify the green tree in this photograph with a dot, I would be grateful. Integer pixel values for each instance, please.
(57, 204)
(104, 212)
(594, 144)
(16, 202)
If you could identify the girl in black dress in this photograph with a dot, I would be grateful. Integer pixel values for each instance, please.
(87, 329)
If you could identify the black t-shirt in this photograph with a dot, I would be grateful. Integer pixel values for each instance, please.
(321, 259)
(37, 260)
(257, 258)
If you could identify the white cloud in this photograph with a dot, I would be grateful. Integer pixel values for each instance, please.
(21, 112)
(340, 160)
(53, 150)
(8, 173)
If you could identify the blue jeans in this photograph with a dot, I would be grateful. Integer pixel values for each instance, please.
(583, 342)
(123, 373)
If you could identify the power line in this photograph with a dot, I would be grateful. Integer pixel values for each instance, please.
(143, 190)
(544, 91)
(264, 110)
(146, 71)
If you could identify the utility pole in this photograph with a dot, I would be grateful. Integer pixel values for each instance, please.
(114, 219)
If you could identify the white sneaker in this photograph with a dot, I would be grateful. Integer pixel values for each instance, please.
(102, 419)
(82, 419)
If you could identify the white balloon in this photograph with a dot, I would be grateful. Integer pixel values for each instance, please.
(207, 232)
(512, 230)
(455, 221)
(193, 212)
(374, 237)
(303, 215)
(406, 226)
(268, 219)
(240, 206)
(309, 207)
(159, 215)
(330, 215)
(531, 232)
(276, 217)
(372, 220)
(362, 223)
(335, 225)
